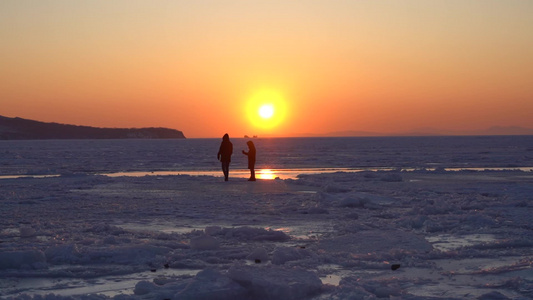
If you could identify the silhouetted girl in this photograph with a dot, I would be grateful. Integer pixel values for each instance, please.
(224, 155)
(251, 159)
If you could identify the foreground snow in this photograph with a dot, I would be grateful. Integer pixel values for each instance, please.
(367, 235)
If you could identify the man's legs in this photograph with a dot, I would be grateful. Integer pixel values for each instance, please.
(225, 169)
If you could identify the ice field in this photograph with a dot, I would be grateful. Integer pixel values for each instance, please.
(368, 218)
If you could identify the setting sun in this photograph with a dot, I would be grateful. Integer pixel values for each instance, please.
(266, 109)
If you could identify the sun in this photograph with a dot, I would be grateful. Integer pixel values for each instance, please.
(266, 109)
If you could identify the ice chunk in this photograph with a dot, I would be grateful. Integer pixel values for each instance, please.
(211, 284)
(204, 242)
(376, 241)
(332, 188)
(110, 240)
(493, 296)
(354, 202)
(317, 211)
(27, 232)
(62, 254)
(282, 255)
(153, 290)
(366, 200)
(18, 259)
(144, 287)
(106, 228)
(211, 230)
(258, 254)
(127, 255)
(273, 282)
(382, 290)
(256, 234)
(326, 198)
(392, 177)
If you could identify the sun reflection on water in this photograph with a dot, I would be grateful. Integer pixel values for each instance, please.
(266, 174)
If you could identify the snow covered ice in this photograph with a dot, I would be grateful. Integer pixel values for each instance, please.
(461, 234)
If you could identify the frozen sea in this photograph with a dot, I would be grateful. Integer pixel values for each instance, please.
(330, 218)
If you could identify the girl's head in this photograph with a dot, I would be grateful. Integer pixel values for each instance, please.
(250, 144)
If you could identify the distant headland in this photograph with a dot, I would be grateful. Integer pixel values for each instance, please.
(24, 129)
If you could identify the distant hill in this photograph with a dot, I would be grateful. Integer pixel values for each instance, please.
(496, 130)
(507, 130)
(23, 129)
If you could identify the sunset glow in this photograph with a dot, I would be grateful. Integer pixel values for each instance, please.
(266, 109)
(207, 68)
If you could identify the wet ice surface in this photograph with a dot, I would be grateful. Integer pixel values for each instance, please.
(111, 156)
(454, 234)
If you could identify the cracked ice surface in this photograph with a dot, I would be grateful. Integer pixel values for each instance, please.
(454, 235)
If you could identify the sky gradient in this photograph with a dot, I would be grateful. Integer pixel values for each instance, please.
(195, 66)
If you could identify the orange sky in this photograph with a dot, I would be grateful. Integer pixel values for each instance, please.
(381, 66)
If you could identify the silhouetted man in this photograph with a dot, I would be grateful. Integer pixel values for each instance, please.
(224, 155)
